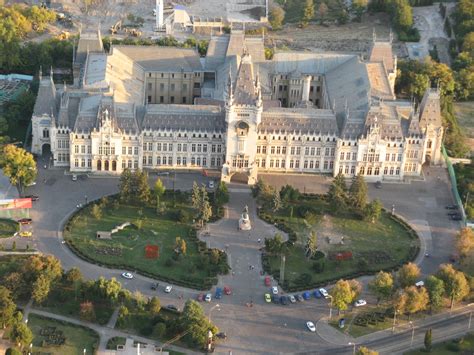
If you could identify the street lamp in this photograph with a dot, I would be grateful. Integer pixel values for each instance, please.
(84, 351)
(330, 307)
(85, 198)
(412, 333)
(394, 320)
(212, 308)
(30, 350)
(353, 347)
(470, 317)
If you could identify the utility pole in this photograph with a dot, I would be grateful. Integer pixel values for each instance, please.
(412, 334)
(282, 269)
(470, 317)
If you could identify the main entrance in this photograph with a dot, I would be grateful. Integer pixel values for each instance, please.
(240, 178)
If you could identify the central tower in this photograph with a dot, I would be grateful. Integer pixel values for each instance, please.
(243, 114)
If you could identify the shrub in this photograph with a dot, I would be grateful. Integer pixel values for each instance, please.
(169, 262)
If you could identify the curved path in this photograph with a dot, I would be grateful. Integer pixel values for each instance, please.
(263, 328)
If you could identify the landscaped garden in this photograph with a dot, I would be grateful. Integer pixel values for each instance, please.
(8, 228)
(56, 337)
(330, 240)
(152, 235)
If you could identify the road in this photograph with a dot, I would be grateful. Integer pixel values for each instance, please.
(263, 328)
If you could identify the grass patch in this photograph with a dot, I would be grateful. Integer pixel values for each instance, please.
(8, 228)
(112, 343)
(76, 337)
(385, 244)
(463, 345)
(126, 249)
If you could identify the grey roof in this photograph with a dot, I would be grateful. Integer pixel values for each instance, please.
(184, 118)
(302, 120)
(216, 52)
(88, 42)
(46, 100)
(244, 91)
(95, 70)
(163, 59)
(307, 63)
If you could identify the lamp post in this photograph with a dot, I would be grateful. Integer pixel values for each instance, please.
(412, 333)
(84, 351)
(31, 349)
(394, 320)
(210, 311)
(353, 347)
(85, 198)
(470, 317)
(330, 307)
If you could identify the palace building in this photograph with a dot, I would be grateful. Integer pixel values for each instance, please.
(152, 108)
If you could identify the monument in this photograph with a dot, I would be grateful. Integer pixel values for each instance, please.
(244, 221)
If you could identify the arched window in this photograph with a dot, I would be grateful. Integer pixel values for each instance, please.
(45, 133)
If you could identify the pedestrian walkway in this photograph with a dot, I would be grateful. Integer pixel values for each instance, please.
(113, 319)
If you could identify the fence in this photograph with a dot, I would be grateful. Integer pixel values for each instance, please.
(454, 185)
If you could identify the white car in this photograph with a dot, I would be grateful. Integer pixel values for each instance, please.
(275, 290)
(74, 177)
(324, 292)
(208, 298)
(311, 326)
(360, 303)
(127, 275)
(168, 289)
(292, 298)
(211, 184)
(420, 284)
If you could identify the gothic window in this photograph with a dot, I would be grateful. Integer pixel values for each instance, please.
(45, 133)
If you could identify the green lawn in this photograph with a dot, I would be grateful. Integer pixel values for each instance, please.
(77, 338)
(192, 269)
(464, 345)
(8, 228)
(112, 343)
(374, 246)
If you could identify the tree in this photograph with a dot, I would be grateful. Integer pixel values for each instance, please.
(337, 193)
(277, 15)
(13, 351)
(125, 185)
(222, 194)
(356, 288)
(196, 197)
(20, 334)
(358, 192)
(96, 212)
(41, 288)
(159, 190)
(342, 295)
(214, 256)
(465, 241)
(455, 283)
(180, 245)
(435, 287)
(428, 340)
(311, 244)
(289, 194)
(154, 306)
(308, 13)
(159, 330)
(142, 189)
(323, 11)
(206, 211)
(274, 245)
(7, 307)
(3, 125)
(195, 324)
(366, 351)
(408, 274)
(41, 264)
(358, 8)
(373, 211)
(73, 275)
(19, 166)
(16, 283)
(108, 289)
(381, 285)
(276, 201)
(86, 311)
(468, 44)
(411, 300)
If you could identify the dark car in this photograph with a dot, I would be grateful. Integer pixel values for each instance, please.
(456, 217)
(284, 300)
(317, 294)
(25, 221)
(452, 207)
(221, 335)
(276, 299)
(218, 294)
(306, 295)
(299, 298)
(172, 307)
(200, 297)
(154, 286)
(33, 197)
(378, 184)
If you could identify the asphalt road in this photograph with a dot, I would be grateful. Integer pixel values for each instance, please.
(262, 328)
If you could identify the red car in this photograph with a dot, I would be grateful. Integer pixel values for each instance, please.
(227, 290)
(200, 297)
(25, 221)
(268, 281)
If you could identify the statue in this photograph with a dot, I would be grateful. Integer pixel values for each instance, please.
(244, 221)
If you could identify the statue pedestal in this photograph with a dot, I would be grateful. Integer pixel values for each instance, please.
(244, 222)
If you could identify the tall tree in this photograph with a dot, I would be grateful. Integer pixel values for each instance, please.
(428, 338)
(436, 291)
(154, 306)
(411, 300)
(308, 13)
(19, 166)
(277, 15)
(196, 324)
(342, 295)
(142, 188)
(87, 311)
(276, 201)
(159, 190)
(381, 285)
(125, 185)
(222, 194)
(408, 274)
(311, 244)
(358, 192)
(96, 212)
(358, 8)
(41, 288)
(20, 334)
(465, 241)
(455, 283)
(337, 193)
(196, 197)
(7, 307)
(366, 351)
(373, 210)
(323, 11)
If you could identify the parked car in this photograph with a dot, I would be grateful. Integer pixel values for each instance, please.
(299, 298)
(420, 284)
(275, 290)
(200, 297)
(310, 326)
(127, 275)
(306, 295)
(268, 281)
(456, 217)
(25, 221)
(168, 288)
(360, 303)
(268, 298)
(208, 298)
(221, 335)
(292, 298)
(284, 300)
(218, 294)
(154, 286)
(172, 307)
(275, 299)
(26, 234)
(378, 184)
(317, 294)
(74, 177)
(211, 184)
(324, 292)
(451, 207)
(33, 197)
(227, 290)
